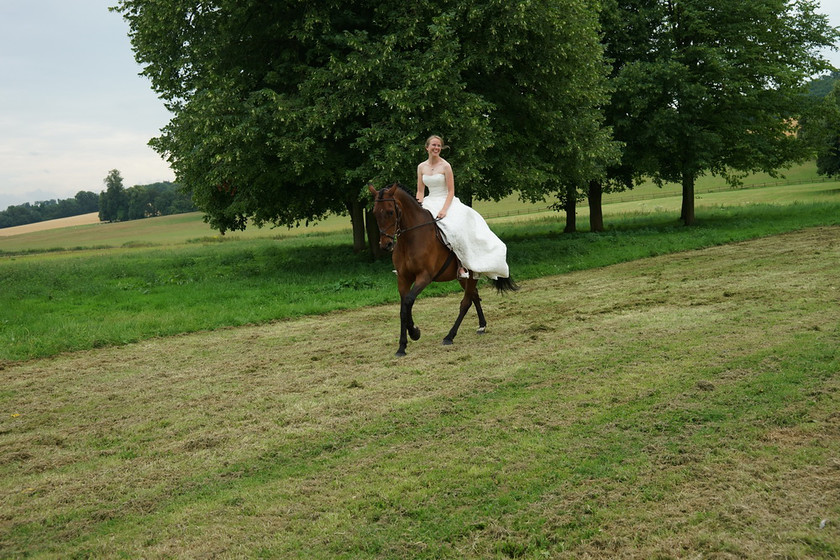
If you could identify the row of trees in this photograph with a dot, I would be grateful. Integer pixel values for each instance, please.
(284, 111)
(84, 202)
(820, 87)
(117, 203)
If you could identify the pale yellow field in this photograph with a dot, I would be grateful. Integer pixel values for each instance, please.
(82, 220)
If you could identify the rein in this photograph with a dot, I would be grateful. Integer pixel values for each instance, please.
(398, 231)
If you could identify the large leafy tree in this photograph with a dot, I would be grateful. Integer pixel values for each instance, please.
(284, 111)
(112, 201)
(711, 86)
(626, 26)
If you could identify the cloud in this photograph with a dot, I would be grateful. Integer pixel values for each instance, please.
(72, 106)
(64, 157)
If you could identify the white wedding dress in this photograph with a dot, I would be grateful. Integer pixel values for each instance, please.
(475, 245)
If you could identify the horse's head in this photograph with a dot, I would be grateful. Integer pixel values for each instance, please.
(387, 212)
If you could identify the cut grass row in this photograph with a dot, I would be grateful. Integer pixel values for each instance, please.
(675, 407)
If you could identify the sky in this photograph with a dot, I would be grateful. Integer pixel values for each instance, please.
(73, 105)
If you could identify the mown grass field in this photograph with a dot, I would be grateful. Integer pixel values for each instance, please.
(680, 406)
(652, 392)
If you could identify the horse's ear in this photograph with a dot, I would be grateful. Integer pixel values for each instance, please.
(372, 190)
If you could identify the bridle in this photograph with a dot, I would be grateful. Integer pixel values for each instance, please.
(398, 230)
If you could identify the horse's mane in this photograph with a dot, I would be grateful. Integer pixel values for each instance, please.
(406, 192)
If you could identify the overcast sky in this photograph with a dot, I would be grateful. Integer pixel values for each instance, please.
(72, 106)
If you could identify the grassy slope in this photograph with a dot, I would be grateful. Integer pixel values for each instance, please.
(70, 301)
(802, 185)
(166, 276)
(680, 406)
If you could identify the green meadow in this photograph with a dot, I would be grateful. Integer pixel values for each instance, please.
(110, 284)
(652, 392)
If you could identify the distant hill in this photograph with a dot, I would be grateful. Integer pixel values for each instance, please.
(141, 201)
(822, 86)
(84, 202)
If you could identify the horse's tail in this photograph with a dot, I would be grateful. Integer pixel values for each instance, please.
(503, 285)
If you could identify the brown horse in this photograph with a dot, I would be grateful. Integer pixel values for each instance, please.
(421, 257)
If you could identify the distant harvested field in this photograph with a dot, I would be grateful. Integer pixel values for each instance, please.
(82, 220)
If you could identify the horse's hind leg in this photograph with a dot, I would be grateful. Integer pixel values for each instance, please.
(482, 322)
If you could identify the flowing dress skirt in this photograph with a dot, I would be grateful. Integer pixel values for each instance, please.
(477, 247)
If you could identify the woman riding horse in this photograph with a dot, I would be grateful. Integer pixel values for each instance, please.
(421, 257)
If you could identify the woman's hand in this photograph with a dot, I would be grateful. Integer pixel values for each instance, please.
(441, 215)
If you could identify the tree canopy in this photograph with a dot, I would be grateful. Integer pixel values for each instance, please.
(711, 86)
(284, 111)
(113, 205)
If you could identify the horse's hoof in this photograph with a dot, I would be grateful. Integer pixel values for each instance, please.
(400, 353)
(447, 342)
(480, 330)
(414, 333)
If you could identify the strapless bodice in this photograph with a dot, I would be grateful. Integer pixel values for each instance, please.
(436, 184)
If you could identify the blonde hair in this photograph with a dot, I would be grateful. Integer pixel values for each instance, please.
(443, 146)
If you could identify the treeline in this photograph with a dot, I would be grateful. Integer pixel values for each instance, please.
(118, 204)
(140, 201)
(84, 202)
(554, 101)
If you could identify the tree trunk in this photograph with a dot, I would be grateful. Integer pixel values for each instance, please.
(687, 214)
(357, 219)
(373, 235)
(596, 212)
(571, 210)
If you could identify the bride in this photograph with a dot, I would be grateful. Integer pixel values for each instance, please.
(475, 245)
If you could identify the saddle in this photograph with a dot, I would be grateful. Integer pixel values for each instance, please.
(442, 238)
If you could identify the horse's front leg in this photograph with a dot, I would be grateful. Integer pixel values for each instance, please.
(470, 294)
(407, 326)
(405, 316)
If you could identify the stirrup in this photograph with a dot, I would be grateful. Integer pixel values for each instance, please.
(463, 272)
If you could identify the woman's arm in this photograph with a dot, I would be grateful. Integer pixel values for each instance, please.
(450, 190)
(421, 188)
